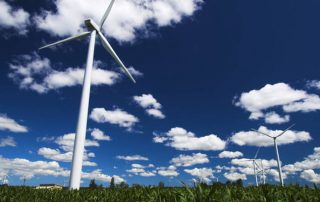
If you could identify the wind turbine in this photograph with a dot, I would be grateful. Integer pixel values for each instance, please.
(263, 173)
(80, 137)
(255, 166)
(5, 180)
(276, 149)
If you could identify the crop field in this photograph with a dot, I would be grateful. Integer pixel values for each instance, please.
(217, 192)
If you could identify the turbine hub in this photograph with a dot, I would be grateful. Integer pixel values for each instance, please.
(91, 25)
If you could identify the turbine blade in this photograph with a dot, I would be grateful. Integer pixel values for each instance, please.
(108, 47)
(258, 167)
(261, 133)
(285, 130)
(257, 153)
(79, 36)
(106, 14)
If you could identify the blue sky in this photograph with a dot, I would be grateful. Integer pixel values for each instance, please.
(207, 73)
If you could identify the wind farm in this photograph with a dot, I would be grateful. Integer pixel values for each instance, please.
(187, 100)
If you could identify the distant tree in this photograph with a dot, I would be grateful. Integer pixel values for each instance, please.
(228, 182)
(161, 184)
(136, 185)
(100, 186)
(239, 183)
(112, 184)
(122, 185)
(93, 184)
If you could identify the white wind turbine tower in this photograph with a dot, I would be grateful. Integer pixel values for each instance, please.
(78, 149)
(276, 149)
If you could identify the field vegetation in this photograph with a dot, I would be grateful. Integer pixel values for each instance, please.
(198, 193)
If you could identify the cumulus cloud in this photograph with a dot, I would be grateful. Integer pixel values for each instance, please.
(310, 176)
(11, 17)
(24, 168)
(313, 84)
(133, 158)
(66, 143)
(33, 72)
(230, 154)
(204, 174)
(170, 171)
(233, 176)
(150, 104)
(311, 162)
(274, 118)
(116, 116)
(181, 139)
(189, 160)
(11, 125)
(244, 162)
(139, 169)
(28, 169)
(57, 155)
(277, 95)
(98, 175)
(252, 138)
(7, 142)
(97, 134)
(68, 16)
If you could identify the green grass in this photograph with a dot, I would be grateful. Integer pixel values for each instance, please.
(216, 192)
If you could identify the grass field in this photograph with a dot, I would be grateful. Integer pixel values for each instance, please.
(216, 192)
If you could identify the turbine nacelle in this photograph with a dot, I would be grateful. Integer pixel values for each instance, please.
(91, 25)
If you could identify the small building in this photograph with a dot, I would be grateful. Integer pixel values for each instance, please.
(49, 186)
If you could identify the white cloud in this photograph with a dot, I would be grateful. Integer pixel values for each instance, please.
(252, 138)
(181, 139)
(66, 142)
(99, 135)
(7, 141)
(311, 162)
(98, 175)
(310, 176)
(138, 169)
(313, 84)
(16, 18)
(55, 154)
(168, 171)
(159, 139)
(230, 154)
(277, 95)
(9, 124)
(244, 162)
(133, 158)
(233, 176)
(139, 15)
(150, 104)
(33, 72)
(309, 104)
(116, 116)
(134, 72)
(274, 118)
(24, 168)
(186, 160)
(146, 101)
(204, 174)
(156, 113)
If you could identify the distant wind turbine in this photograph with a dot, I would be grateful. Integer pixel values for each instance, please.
(255, 166)
(276, 149)
(5, 180)
(80, 137)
